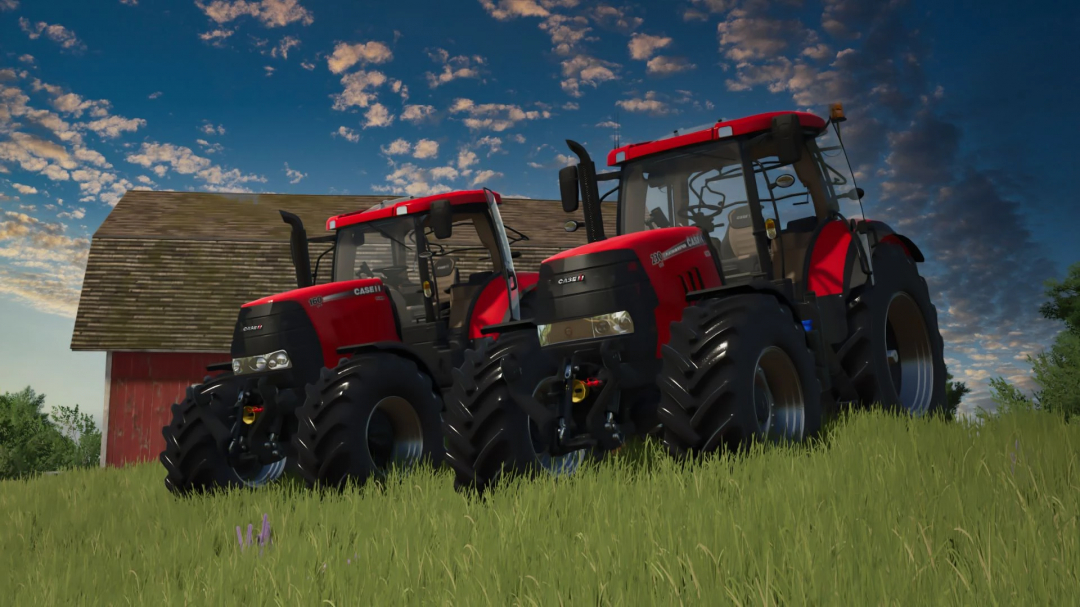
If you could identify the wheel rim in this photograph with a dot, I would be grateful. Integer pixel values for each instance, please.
(393, 432)
(909, 355)
(559, 465)
(262, 475)
(779, 406)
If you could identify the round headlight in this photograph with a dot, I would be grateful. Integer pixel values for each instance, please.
(260, 363)
(624, 320)
(279, 359)
(235, 366)
(602, 326)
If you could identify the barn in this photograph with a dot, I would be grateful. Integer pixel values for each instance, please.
(168, 271)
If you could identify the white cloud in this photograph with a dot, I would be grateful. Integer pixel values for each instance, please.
(76, 213)
(347, 134)
(415, 181)
(347, 55)
(650, 103)
(46, 266)
(143, 179)
(466, 158)
(378, 116)
(27, 58)
(566, 32)
(453, 68)
(397, 147)
(586, 70)
(155, 95)
(209, 148)
(24, 189)
(307, 65)
(417, 113)
(9, 5)
(210, 129)
(494, 116)
(485, 176)
(271, 13)
(426, 148)
(215, 37)
(56, 32)
(113, 126)
(668, 65)
(358, 89)
(642, 46)
(493, 144)
(269, 70)
(293, 175)
(283, 47)
(517, 137)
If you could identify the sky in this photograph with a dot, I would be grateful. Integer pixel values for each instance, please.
(960, 127)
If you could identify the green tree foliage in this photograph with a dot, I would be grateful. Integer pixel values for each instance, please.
(954, 392)
(31, 442)
(1057, 370)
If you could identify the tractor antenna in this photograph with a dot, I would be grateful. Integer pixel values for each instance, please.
(616, 130)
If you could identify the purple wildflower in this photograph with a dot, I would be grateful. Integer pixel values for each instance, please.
(240, 537)
(249, 534)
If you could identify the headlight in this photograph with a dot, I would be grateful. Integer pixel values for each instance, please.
(604, 325)
(275, 361)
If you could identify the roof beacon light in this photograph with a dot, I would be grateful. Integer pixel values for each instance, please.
(836, 112)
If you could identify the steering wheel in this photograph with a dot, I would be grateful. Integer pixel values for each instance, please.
(386, 271)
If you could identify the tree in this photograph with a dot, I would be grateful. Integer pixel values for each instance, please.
(31, 442)
(954, 392)
(1057, 370)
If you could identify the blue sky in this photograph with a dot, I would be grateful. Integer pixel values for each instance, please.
(960, 126)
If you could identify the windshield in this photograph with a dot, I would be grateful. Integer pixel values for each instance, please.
(703, 187)
(383, 249)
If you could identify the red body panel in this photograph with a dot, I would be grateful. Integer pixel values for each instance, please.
(344, 313)
(742, 126)
(492, 304)
(142, 388)
(828, 260)
(415, 205)
(676, 260)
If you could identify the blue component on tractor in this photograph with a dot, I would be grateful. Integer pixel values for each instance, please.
(808, 325)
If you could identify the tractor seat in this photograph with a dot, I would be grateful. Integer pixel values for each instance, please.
(738, 249)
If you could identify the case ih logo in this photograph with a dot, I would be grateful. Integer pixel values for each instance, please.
(569, 279)
(658, 258)
(367, 290)
(253, 328)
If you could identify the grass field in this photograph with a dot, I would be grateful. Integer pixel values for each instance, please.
(885, 511)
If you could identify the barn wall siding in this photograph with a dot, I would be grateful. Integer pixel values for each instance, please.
(142, 389)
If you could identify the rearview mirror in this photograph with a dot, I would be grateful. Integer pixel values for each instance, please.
(568, 188)
(788, 136)
(442, 219)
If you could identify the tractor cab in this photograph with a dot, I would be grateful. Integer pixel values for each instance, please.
(758, 187)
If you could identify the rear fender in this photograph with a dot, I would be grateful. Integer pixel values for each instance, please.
(882, 233)
(491, 306)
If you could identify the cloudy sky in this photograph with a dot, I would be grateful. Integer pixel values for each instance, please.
(960, 126)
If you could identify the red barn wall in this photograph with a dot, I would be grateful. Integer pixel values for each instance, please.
(142, 387)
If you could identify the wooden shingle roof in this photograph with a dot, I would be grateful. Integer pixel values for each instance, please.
(168, 271)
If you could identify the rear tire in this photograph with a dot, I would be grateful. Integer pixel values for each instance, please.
(735, 370)
(894, 353)
(197, 442)
(488, 435)
(372, 412)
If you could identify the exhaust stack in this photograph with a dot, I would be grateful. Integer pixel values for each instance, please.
(590, 192)
(299, 249)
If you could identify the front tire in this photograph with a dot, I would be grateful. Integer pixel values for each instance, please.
(197, 439)
(488, 434)
(737, 369)
(894, 353)
(372, 412)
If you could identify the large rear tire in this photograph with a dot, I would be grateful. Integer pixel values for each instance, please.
(197, 440)
(373, 412)
(894, 353)
(488, 435)
(735, 370)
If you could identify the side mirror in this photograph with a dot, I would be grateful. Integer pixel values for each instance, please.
(788, 136)
(442, 219)
(568, 188)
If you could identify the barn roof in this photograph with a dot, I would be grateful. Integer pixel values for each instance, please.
(168, 271)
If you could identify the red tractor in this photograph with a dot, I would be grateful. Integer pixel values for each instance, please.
(342, 380)
(743, 297)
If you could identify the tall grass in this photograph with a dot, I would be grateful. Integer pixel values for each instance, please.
(883, 511)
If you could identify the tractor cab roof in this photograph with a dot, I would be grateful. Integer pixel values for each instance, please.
(407, 206)
(721, 130)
